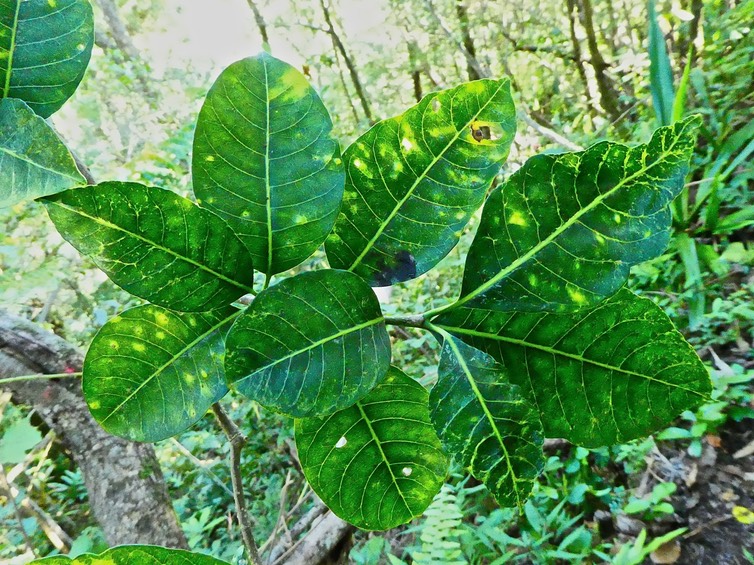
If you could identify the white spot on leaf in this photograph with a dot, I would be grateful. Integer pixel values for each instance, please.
(407, 471)
(341, 443)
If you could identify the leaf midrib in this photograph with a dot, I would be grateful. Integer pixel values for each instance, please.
(23, 158)
(12, 49)
(384, 456)
(559, 352)
(420, 178)
(267, 184)
(167, 250)
(174, 358)
(314, 345)
(483, 403)
(561, 229)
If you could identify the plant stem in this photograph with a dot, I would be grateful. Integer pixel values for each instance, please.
(414, 321)
(39, 377)
(237, 443)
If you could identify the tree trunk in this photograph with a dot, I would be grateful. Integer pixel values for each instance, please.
(468, 41)
(339, 46)
(608, 95)
(126, 488)
(576, 51)
(118, 29)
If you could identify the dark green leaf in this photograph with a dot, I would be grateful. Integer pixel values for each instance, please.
(377, 464)
(155, 244)
(266, 161)
(486, 422)
(135, 555)
(310, 345)
(598, 377)
(564, 230)
(33, 160)
(660, 73)
(413, 181)
(151, 373)
(45, 47)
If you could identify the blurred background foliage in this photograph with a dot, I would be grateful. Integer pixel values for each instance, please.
(582, 70)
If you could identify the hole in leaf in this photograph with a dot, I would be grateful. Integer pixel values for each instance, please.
(407, 471)
(341, 443)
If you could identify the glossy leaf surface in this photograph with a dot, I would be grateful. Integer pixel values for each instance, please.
(486, 422)
(133, 555)
(33, 160)
(377, 464)
(266, 161)
(155, 244)
(413, 181)
(151, 373)
(597, 377)
(45, 46)
(564, 230)
(310, 345)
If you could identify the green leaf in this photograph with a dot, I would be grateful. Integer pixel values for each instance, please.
(310, 345)
(17, 440)
(597, 377)
(414, 181)
(33, 160)
(564, 230)
(660, 73)
(151, 373)
(266, 161)
(45, 47)
(155, 244)
(486, 422)
(377, 464)
(135, 555)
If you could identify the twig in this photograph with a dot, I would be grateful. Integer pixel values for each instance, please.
(40, 377)
(237, 442)
(17, 512)
(200, 464)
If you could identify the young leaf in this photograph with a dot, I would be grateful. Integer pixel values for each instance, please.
(413, 181)
(33, 160)
(310, 345)
(564, 230)
(45, 46)
(266, 161)
(486, 422)
(155, 244)
(133, 555)
(151, 373)
(597, 377)
(377, 464)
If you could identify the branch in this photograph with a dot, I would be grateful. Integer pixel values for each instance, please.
(261, 24)
(237, 442)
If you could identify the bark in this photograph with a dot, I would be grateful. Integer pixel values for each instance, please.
(261, 24)
(415, 69)
(340, 47)
(324, 543)
(126, 488)
(577, 57)
(467, 40)
(686, 41)
(608, 95)
(118, 29)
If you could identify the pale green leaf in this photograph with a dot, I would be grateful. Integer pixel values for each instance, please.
(597, 377)
(17, 440)
(33, 160)
(155, 244)
(45, 47)
(377, 464)
(309, 345)
(486, 422)
(151, 373)
(135, 555)
(413, 181)
(266, 161)
(564, 230)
